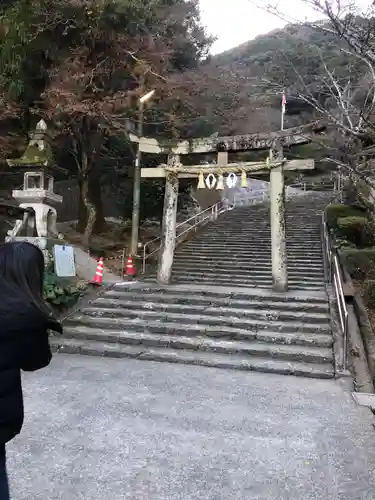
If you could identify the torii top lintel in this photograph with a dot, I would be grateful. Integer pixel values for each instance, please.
(289, 137)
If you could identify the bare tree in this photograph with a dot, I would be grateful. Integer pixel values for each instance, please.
(345, 101)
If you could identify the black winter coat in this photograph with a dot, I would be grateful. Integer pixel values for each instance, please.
(24, 345)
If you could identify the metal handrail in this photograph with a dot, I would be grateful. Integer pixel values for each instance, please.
(333, 275)
(341, 305)
(311, 186)
(327, 254)
(210, 213)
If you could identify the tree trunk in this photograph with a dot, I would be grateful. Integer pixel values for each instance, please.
(95, 197)
(89, 206)
(84, 133)
(82, 212)
(95, 194)
(91, 214)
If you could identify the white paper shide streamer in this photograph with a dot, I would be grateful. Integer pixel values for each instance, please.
(231, 180)
(210, 181)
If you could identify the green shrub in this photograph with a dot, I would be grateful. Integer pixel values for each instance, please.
(336, 211)
(369, 293)
(360, 263)
(356, 230)
(61, 292)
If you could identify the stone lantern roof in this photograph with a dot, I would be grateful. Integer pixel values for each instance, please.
(38, 152)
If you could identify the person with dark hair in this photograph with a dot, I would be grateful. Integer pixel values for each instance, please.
(25, 320)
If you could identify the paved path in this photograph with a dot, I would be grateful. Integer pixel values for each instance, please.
(108, 429)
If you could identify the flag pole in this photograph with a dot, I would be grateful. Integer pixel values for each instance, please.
(283, 104)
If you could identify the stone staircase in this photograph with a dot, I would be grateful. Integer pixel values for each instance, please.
(220, 309)
(236, 250)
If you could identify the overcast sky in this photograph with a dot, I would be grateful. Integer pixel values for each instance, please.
(236, 21)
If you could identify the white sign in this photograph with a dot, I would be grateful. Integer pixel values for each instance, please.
(64, 261)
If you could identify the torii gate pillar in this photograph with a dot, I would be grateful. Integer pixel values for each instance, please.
(277, 212)
(168, 231)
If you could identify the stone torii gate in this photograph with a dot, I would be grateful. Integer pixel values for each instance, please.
(274, 166)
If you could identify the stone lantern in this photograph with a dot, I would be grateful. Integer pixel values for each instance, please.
(37, 194)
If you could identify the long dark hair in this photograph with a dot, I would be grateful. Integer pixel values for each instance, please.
(22, 273)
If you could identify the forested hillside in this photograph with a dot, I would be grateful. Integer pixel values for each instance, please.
(82, 65)
(248, 80)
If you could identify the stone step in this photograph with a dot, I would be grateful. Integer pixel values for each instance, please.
(265, 221)
(250, 252)
(265, 336)
(264, 284)
(201, 358)
(264, 217)
(243, 215)
(234, 246)
(250, 246)
(234, 220)
(250, 221)
(257, 232)
(292, 352)
(244, 244)
(263, 266)
(247, 256)
(238, 280)
(238, 275)
(251, 270)
(258, 211)
(245, 259)
(264, 224)
(231, 239)
(259, 260)
(185, 295)
(218, 292)
(87, 324)
(234, 260)
(245, 262)
(126, 317)
(293, 214)
(259, 309)
(260, 230)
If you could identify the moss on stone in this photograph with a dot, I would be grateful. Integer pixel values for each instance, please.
(33, 156)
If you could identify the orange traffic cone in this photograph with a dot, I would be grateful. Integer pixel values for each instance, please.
(130, 269)
(98, 278)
